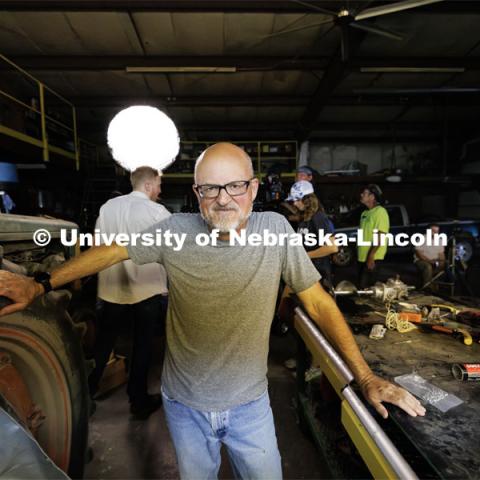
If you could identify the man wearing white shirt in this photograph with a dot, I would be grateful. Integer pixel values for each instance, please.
(127, 289)
(430, 259)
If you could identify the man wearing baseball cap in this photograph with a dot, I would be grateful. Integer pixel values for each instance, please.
(312, 219)
(304, 173)
(299, 190)
(374, 218)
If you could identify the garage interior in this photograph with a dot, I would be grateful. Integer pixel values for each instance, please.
(362, 92)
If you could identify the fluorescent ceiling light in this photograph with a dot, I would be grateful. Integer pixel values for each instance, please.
(181, 69)
(412, 69)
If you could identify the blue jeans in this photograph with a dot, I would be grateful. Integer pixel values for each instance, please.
(247, 431)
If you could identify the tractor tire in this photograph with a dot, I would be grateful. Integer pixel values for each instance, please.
(44, 349)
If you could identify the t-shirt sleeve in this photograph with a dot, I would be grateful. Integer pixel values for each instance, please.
(142, 252)
(320, 222)
(298, 271)
(382, 221)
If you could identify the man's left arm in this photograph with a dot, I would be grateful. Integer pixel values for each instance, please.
(323, 310)
(371, 256)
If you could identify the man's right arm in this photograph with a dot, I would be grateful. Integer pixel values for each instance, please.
(23, 290)
(325, 313)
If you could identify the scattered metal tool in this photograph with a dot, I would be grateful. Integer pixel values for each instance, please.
(394, 289)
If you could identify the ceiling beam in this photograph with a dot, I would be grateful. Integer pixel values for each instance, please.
(272, 6)
(242, 63)
(469, 63)
(90, 102)
(326, 131)
(322, 131)
(90, 127)
(189, 101)
(327, 127)
(335, 73)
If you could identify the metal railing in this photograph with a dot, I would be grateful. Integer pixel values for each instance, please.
(47, 121)
(390, 453)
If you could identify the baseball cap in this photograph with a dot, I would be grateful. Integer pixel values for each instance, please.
(305, 169)
(299, 190)
(376, 191)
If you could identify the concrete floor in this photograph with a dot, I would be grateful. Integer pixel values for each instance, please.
(124, 448)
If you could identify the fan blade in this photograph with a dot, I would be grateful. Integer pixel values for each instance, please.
(377, 30)
(324, 34)
(284, 32)
(362, 7)
(304, 27)
(277, 64)
(344, 42)
(393, 7)
(314, 7)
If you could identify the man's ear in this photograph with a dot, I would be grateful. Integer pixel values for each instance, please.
(196, 193)
(255, 184)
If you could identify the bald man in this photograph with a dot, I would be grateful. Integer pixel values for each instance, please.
(222, 301)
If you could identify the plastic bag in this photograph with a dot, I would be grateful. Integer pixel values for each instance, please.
(428, 392)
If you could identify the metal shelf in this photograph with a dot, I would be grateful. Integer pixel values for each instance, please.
(256, 149)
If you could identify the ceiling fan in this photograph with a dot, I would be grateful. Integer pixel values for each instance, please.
(348, 18)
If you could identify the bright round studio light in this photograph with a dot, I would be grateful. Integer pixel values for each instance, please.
(143, 136)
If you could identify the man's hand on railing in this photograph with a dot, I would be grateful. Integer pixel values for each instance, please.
(377, 390)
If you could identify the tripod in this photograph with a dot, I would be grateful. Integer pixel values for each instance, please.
(456, 272)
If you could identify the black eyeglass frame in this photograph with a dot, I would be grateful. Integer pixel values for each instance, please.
(223, 187)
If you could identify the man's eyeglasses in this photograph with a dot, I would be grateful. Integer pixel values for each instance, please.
(234, 189)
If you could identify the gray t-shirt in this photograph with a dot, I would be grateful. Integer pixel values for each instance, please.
(221, 304)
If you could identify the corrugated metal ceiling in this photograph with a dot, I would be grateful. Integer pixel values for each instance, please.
(266, 93)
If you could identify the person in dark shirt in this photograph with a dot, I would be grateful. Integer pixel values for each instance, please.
(312, 219)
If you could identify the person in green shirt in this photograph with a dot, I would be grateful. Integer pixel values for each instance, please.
(374, 218)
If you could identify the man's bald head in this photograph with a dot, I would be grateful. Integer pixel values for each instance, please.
(222, 156)
(222, 165)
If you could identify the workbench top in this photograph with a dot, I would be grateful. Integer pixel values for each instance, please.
(449, 441)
